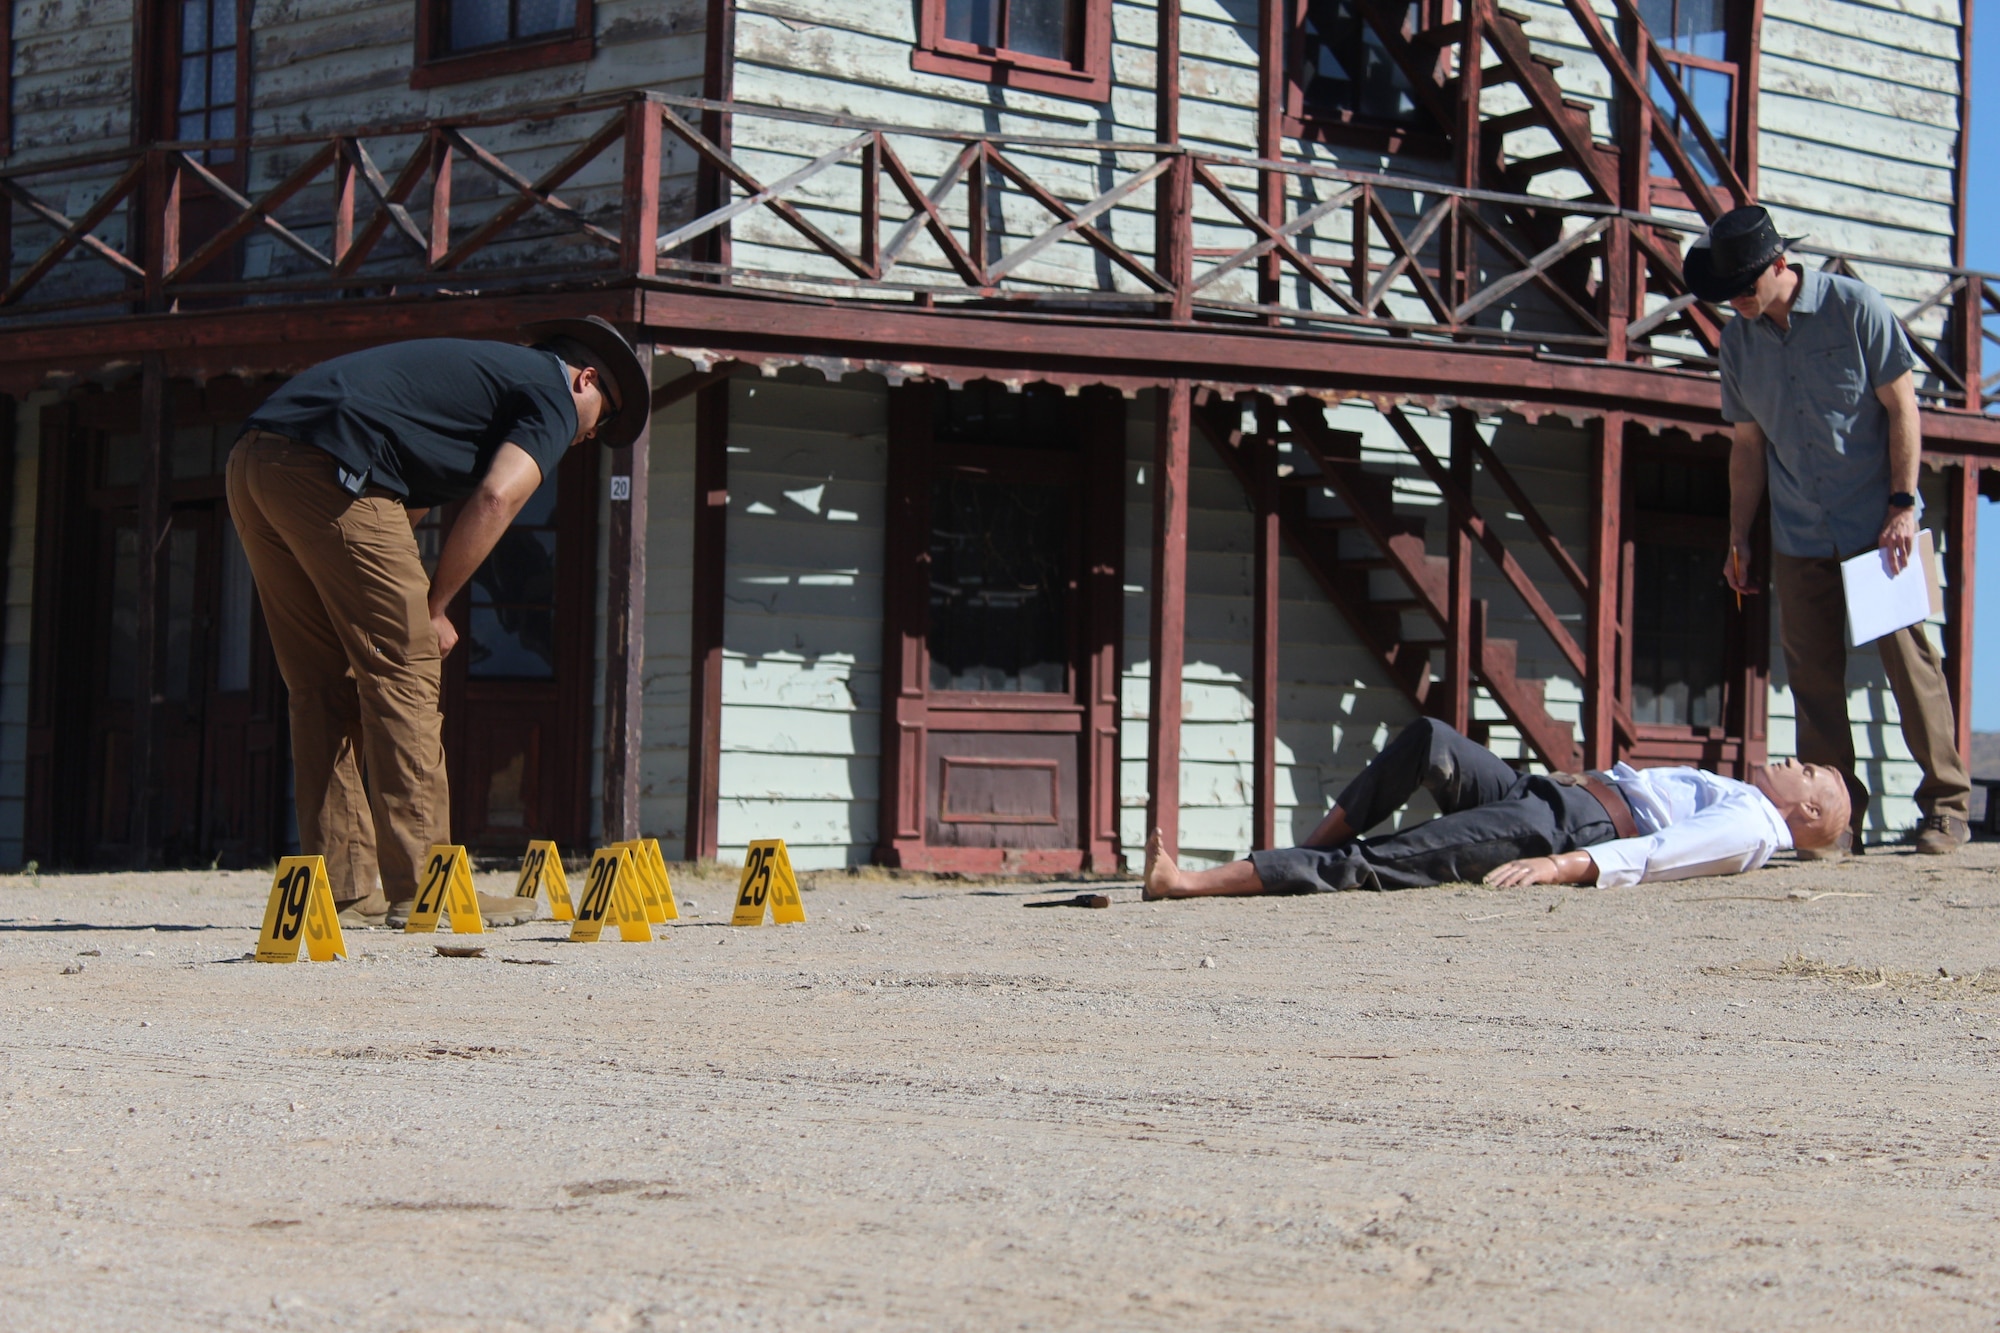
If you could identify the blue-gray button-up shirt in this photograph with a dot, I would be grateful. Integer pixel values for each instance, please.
(1811, 388)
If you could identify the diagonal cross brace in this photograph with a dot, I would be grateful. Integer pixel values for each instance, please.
(389, 209)
(709, 152)
(716, 217)
(270, 224)
(257, 215)
(534, 194)
(1077, 221)
(925, 212)
(74, 233)
(1278, 239)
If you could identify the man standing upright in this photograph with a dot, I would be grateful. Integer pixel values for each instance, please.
(1817, 381)
(330, 477)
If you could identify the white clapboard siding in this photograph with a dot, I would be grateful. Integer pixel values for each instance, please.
(802, 633)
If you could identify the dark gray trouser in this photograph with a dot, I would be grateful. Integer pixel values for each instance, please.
(1492, 815)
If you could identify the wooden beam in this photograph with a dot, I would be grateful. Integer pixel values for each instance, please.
(1264, 633)
(640, 254)
(1168, 647)
(1458, 664)
(1272, 26)
(1961, 565)
(1607, 492)
(1102, 414)
(705, 627)
(625, 633)
(150, 524)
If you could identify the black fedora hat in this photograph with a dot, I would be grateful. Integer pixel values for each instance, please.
(1726, 260)
(630, 384)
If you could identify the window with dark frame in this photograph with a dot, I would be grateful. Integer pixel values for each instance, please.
(1681, 610)
(1698, 41)
(459, 40)
(1052, 46)
(1342, 74)
(205, 100)
(479, 25)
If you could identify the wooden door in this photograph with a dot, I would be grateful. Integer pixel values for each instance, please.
(219, 744)
(517, 695)
(1002, 621)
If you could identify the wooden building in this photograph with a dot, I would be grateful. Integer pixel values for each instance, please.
(1072, 415)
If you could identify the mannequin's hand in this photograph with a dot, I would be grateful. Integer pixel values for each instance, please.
(1534, 870)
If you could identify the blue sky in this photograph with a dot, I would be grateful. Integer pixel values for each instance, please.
(1982, 251)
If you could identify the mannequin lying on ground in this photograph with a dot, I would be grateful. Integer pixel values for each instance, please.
(1613, 829)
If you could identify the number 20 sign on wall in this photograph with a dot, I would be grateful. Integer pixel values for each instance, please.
(767, 881)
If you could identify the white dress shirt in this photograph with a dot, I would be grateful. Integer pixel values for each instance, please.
(1690, 823)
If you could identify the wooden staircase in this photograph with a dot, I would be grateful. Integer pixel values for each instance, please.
(1378, 617)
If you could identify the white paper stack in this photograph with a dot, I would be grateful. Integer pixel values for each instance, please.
(1879, 604)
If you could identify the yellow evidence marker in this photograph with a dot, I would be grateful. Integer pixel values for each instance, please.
(655, 888)
(301, 903)
(767, 878)
(447, 887)
(611, 897)
(542, 868)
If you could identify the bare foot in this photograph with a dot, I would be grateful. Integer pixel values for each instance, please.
(1162, 875)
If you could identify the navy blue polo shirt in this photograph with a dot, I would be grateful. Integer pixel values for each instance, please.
(423, 419)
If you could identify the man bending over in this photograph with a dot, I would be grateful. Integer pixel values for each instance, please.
(1614, 829)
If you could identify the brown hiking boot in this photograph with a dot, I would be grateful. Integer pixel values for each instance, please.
(353, 918)
(494, 910)
(498, 910)
(1941, 835)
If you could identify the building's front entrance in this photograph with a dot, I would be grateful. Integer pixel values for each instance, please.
(1003, 613)
(517, 692)
(219, 747)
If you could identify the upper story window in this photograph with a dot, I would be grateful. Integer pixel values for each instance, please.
(474, 25)
(206, 94)
(1345, 84)
(459, 40)
(1702, 41)
(1050, 46)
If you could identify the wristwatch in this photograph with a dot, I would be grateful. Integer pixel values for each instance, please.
(1902, 500)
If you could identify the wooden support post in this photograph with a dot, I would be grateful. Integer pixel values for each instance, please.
(640, 234)
(162, 226)
(1961, 565)
(906, 559)
(1461, 276)
(1265, 631)
(1458, 636)
(718, 85)
(1615, 304)
(1600, 691)
(1967, 337)
(1168, 649)
(711, 536)
(441, 155)
(1271, 76)
(625, 632)
(1102, 412)
(1174, 194)
(151, 524)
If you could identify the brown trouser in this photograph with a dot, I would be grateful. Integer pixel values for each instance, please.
(344, 596)
(1812, 610)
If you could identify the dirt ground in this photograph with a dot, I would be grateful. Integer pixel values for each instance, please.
(1763, 1102)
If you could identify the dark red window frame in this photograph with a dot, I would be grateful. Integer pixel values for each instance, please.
(434, 67)
(1087, 78)
(1745, 24)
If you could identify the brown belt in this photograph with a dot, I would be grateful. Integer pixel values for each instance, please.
(1607, 795)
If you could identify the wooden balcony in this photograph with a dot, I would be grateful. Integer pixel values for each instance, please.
(881, 223)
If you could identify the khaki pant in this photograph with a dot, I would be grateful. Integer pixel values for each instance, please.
(1812, 609)
(344, 596)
